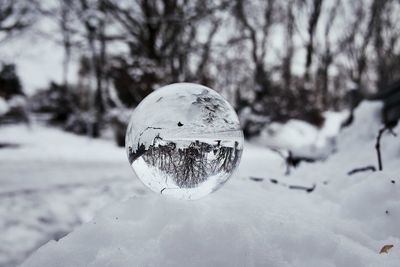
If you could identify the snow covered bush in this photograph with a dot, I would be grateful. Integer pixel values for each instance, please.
(4, 108)
(15, 110)
(13, 105)
(68, 108)
(56, 100)
(10, 84)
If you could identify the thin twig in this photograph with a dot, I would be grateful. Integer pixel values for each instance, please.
(307, 189)
(378, 144)
(378, 147)
(362, 169)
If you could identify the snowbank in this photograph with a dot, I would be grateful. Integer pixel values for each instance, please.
(345, 221)
(302, 138)
(218, 231)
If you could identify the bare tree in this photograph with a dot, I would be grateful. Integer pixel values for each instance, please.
(326, 58)
(163, 36)
(15, 16)
(231, 44)
(386, 35)
(312, 23)
(289, 44)
(358, 37)
(61, 15)
(257, 31)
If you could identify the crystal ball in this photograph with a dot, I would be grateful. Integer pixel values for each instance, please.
(184, 140)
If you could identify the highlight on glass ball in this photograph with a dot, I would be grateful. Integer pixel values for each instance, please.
(184, 140)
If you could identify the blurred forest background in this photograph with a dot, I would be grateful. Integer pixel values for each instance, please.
(294, 71)
(272, 60)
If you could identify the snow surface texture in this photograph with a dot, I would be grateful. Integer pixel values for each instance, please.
(345, 221)
(52, 181)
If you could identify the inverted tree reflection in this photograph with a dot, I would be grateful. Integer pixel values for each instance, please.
(190, 164)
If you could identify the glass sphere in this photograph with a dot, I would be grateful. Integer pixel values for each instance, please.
(184, 140)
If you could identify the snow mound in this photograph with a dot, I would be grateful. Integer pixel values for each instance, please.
(218, 231)
(302, 138)
(345, 221)
(366, 124)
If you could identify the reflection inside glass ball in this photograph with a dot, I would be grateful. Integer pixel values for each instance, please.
(184, 140)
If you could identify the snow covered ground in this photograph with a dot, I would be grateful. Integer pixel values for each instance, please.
(55, 181)
(51, 182)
